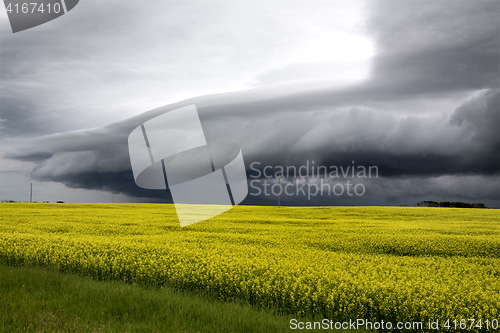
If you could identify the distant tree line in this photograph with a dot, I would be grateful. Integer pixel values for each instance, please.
(450, 204)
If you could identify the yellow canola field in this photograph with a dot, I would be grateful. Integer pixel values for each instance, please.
(341, 263)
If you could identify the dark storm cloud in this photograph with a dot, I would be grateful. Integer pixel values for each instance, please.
(437, 45)
(398, 146)
(426, 51)
(481, 118)
(425, 48)
(375, 191)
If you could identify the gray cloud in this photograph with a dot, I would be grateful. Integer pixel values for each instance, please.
(376, 191)
(428, 46)
(427, 116)
(481, 119)
(422, 146)
(104, 62)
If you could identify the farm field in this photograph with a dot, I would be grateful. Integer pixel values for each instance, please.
(35, 299)
(395, 264)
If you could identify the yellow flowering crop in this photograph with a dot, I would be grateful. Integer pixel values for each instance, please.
(390, 263)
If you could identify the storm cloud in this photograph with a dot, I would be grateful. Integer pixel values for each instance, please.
(427, 114)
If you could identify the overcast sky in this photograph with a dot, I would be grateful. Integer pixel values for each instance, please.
(411, 87)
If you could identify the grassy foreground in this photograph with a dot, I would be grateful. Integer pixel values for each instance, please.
(39, 300)
(377, 263)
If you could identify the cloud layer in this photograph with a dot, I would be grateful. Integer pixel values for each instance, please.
(427, 113)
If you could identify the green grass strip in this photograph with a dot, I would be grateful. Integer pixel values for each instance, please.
(34, 299)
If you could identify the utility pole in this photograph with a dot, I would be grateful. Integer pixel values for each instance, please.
(279, 195)
(31, 193)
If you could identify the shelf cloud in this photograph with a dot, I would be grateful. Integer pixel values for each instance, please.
(425, 108)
